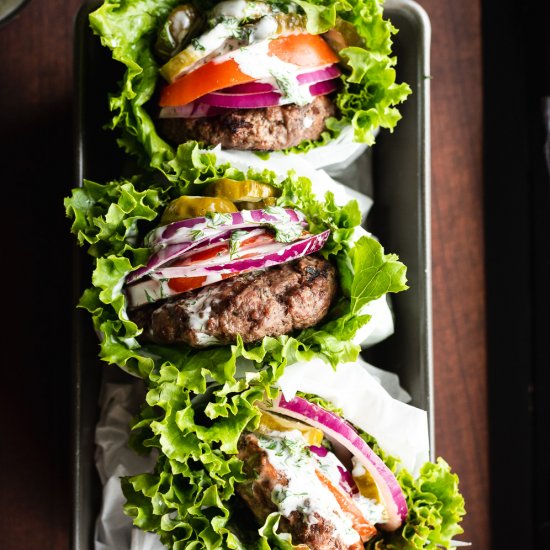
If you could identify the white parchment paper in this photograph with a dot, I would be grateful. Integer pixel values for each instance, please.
(119, 403)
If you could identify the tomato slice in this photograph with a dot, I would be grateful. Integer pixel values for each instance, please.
(184, 284)
(365, 529)
(302, 50)
(204, 254)
(207, 78)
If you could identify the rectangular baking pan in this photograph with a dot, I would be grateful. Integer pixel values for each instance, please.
(398, 165)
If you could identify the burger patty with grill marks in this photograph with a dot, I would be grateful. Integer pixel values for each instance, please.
(270, 302)
(263, 129)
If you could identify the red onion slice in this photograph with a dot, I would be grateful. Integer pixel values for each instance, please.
(253, 95)
(158, 287)
(253, 243)
(319, 75)
(171, 241)
(346, 482)
(263, 99)
(266, 256)
(242, 101)
(248, 88)
(172, 252)
(342, 433)
(319, 451)
(323, 88)
(186, 230)
(191, 110)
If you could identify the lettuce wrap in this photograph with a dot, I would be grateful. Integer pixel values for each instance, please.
(111, 219)
(365, 101)
(198, 495)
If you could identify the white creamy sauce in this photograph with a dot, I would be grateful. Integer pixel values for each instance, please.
(374, 511)
(307, 122)
(329, 466)
(227, 32)
(145, 292)
(286, 230)
(199, 310)
(264, 29)
(358, 469)
(206, 339)
(287, 452)
(240, 9)
(212, 40)
(259, 64)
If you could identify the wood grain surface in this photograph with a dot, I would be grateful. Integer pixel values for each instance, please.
(36, 173)
(460, 355)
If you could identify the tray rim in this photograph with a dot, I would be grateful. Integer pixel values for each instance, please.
(410, 8)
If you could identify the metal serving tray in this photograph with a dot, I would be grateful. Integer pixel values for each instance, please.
(399, 167)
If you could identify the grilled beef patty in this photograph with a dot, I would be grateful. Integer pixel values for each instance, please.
(317, 535)
(264, 129)
(269, 302)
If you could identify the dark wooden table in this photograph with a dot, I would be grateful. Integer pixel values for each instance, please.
(36, 96)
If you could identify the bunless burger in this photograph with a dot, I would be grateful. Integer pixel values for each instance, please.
(223, 266)
(228, 264)
(251, 75)
(255, 470)
(248, 75)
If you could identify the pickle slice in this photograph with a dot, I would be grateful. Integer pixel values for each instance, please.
(260, 205)
(366, 485)
(193, 207)
(246, 191)
(272, 422)
(343, 35)
(182, 24)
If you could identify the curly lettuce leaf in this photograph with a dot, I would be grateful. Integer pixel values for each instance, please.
(111, 219)
(128, 28)
(374, 273)
(367, 99)
(436, 508)
(105, 216)
(185, 499)
(194, 482)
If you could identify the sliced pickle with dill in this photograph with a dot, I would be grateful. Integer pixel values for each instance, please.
(183, 23)
(245, 191)
(288, 23)
(187, 207)
(274, 423)
(343, 35)
(260, 205)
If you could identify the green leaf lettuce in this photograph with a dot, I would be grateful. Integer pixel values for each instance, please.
(110, 220)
